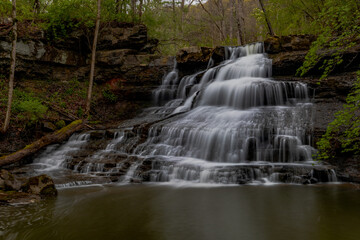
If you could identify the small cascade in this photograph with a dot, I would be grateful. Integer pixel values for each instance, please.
(167, 90)
(130, 175)
(228, 124)
(56, 156)
(106, 162)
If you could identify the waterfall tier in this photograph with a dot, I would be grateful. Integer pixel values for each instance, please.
(230, 123)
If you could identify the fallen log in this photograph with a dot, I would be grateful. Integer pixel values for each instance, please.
(66, 114)
(46, 140)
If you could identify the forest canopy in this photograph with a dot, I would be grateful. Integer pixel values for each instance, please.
(180, 23)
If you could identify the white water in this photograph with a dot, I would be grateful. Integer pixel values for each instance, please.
(56, 156)
(237, 126)
(236, 114)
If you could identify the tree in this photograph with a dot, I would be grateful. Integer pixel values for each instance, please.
(339, 31)
(239, 12)
(93, 55)
(271, 32)
(12, 67)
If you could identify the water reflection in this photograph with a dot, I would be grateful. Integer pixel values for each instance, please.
(171, 213)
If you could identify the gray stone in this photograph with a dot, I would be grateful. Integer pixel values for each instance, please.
(41, 185)
(9, 183)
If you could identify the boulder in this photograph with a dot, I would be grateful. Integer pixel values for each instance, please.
(192, 59)
(8, 182)
(218, 54)
(194, 54)
(41, 185)
(123, 35)
(30, 190)
(289, 43)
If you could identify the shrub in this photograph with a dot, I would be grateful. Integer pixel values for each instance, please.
(60, 124)
(30, 110)
(343, 134)
(109, 96)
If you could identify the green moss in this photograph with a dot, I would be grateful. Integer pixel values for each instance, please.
(60, 124)
(61, 131)
(68, 127)
(48, 191)
(11, 192)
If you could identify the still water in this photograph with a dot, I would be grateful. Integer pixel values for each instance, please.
(131, 212)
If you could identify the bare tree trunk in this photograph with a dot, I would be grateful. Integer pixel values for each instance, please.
(140, 9)
(36, 7)
(231, 18)
(239, 21)
(12, 68)
(174, 13)
(133, 9)
(271, 32)
(118, 6)
(93, 54)
(222, 36)
(182, 15)
(222, 14)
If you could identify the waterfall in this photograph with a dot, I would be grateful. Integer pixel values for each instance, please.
(231, 123)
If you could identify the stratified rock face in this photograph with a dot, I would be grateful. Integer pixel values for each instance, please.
(193, 54)
(288, 54)
(125, 60)
(122, 49)
(194, 59)
(124, 36)
(288, 43)
(348, 167)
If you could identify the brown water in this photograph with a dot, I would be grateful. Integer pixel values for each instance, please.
(159, 212)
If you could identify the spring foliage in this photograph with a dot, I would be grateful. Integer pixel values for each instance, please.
(338, 29)
(344, 132)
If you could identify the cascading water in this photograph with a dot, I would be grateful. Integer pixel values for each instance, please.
(228, 124)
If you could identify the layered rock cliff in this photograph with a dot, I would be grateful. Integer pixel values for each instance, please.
(125, 56)
(128, 68)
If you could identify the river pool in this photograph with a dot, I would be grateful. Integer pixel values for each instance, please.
(179, 212)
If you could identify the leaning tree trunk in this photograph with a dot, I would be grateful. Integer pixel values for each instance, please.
(271, 32)
(93, 55)
(29, 150)
(12, 67)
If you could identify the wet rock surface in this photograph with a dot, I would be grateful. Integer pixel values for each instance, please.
(288, 54)
(15, 190)
(193, 58)
(348, 167)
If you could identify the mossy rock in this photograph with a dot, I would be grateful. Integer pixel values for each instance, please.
(8, 182)
(60, 124)
(41, 185)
